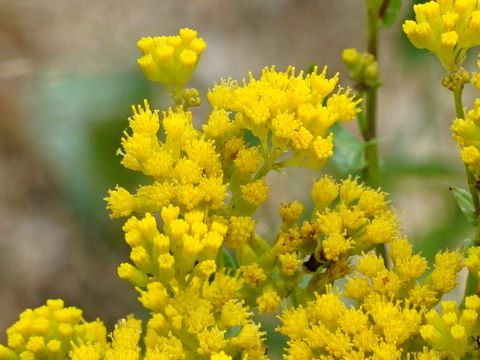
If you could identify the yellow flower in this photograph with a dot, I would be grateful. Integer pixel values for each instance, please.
(170, 60)
(54, 331)
(255, 193)
(448, 28)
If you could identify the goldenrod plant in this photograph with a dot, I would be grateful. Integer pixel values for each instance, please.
(342, 279)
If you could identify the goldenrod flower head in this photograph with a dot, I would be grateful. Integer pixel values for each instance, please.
(290, 263)
(448, 28)
(248, 160)
(444, 275)
(357, 288)
(240, 230)
(290, 107)
(170, 60)
(467, 134)
(253, 274)
(54, 331)
(453, 332)
(290, 212)
(255, 193)
(335, 246)
(324, 191)
(268, 302)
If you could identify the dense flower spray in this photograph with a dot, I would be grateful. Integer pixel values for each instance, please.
(197, 262)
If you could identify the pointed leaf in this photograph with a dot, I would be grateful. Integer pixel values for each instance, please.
(465, 203)
(348, 151)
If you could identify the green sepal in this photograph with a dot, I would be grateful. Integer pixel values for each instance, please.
(225, 260)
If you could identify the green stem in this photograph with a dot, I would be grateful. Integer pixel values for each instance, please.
(457, 95)
(371, 171)
(472, 282)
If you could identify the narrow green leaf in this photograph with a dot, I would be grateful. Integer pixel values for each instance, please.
(348, 155)
(226, 260)
(465, 203)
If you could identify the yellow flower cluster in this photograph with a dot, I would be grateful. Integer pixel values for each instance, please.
(170, 60)
(200, 267)
(297, 110)
(172, 254)
(326, 329)
(201, 320)
(186, 168)
(372, 278)
(448, 28)
(351, 218)
(454, 332)
(472, 261)
(467, 135)
(48, 331)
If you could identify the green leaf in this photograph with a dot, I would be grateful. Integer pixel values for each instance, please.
(388, 11)
(226, 260)
(348, 154)
(465, 203)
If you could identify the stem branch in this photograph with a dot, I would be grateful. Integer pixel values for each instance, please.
(371, 171)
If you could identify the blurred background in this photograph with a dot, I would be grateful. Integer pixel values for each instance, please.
(68, 76)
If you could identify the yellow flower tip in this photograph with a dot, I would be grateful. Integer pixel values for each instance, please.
(145, 44)
(469, 317)
(188, 58)
(357, 288)
(154, 298)
(324, 191)
(248, 160)
(166, 262)
(290, 212)
(458, 332)
(130, 273)
(290, 263)
(472, 302)
(205, 268)
(187, 34)
(255, 193)
(53, 346)
(323, 147)
(335, 246)
(429, 333)
(427, 11)
(268, 302)
(120, 202)
(420, 35)
(165, 52)
(450, 20)
(55, 304)
(139, 256)
(35, 344)
(220, 356)
(84, 352)
(449, 39)
(350, 56)
(198, 45)
(470, 155)
(253, 274)
(7, 354)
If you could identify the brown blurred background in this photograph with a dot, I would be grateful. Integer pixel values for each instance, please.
(68, 77)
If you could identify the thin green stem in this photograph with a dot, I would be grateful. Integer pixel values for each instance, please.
(457, 95)
(472, 282)
(371, 171)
